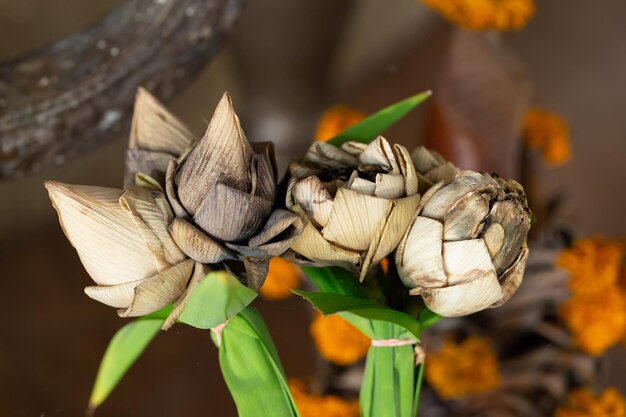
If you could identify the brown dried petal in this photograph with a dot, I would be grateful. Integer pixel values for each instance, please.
(223, 154)
(231, 215)
(197, 245)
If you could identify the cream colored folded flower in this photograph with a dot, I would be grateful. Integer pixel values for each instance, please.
(222, 193)
(355, 201)
(123, 241)
(466, 250)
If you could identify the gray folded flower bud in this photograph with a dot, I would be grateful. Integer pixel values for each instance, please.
(465, 249)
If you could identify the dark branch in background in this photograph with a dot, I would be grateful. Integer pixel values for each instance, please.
(65, 99)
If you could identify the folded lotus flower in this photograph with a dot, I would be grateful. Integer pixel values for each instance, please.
(222, 193)
(156, 137)
(466, 250)
(355, 201)
(123, 241)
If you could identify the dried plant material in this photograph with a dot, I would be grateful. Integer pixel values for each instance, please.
(221, 191)
(156, 137)
(356, 202)
(123, 242)
(466, 250)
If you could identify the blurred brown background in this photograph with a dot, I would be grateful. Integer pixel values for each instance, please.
(286, 62)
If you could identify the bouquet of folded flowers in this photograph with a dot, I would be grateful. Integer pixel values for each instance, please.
(390, 239)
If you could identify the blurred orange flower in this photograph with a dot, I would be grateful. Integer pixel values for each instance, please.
(597, 321)
(583, 403)
(467, 368)
(283, 276)
(337, 340)
(594, 265)
(500, 15)
(335, 120)
(313, 405)
(547, 132)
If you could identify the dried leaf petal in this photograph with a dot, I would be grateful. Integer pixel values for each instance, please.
(512, 278)
(328, 155)
(151, 163)
(262, 175)
(466, 259)
(361, 185)
(104, 235)
(379, 153)
(463, 299)
(170, 190)
(118, 296)
(199, 272)
(354, 148)
(443, 201)
(197, 245)
(390, 232)
(156, 292)
(445, 172)
(407, 169)
(421, 261)
(231, 215)
(222, 155)
(316, 202)
(152, 215)
(494, 238)
(256, 272)
(154, 128)
(314, 247)
(516, 224)
(347, 226)
(280, 230)
(389, 186)
(465, 217)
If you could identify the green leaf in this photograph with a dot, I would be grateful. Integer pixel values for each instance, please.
(428, 318)
(218, 297)
(330, 303)
(369, 128)
(335, 280)
(252, 369)
(124, 349)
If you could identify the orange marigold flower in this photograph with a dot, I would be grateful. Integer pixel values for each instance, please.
(313, 405)
(283, 276)
(547, 132)
(583, 403)
(335, 120)
(596, 321)
(337, 340)
(594, 264)
(467, 368)
(500, 15)
(384, 265)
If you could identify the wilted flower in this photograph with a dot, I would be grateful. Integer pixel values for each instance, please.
(123, 242)
(466, 250)
(222, 194)
(355, 201)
